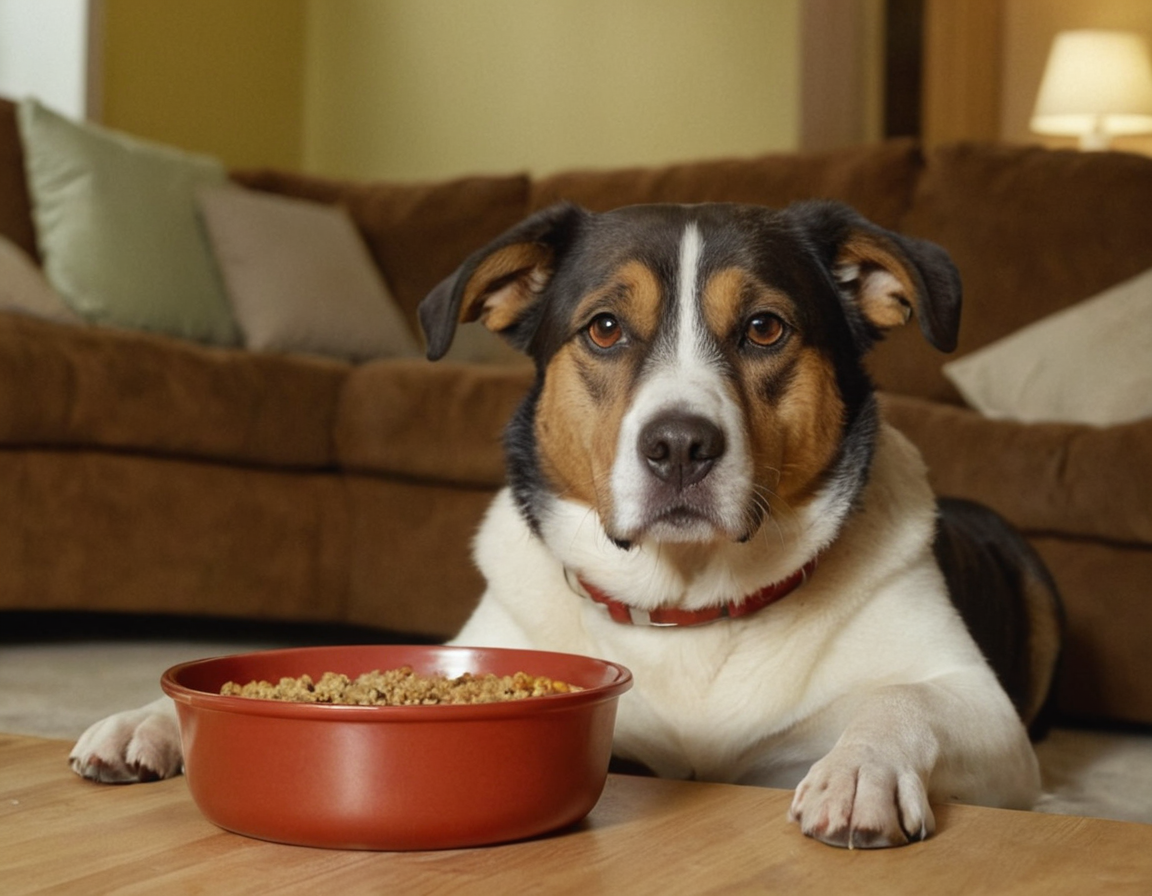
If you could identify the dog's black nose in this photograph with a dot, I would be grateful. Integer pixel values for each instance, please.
(681, 448)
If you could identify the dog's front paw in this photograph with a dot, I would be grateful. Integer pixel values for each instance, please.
(859, 798)
(137, 745)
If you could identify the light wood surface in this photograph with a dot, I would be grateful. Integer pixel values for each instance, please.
(59, 834)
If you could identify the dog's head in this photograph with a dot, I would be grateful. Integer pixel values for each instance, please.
(699, 367)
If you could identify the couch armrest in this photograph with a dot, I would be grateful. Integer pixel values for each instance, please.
(1043, 477)
(441, 422)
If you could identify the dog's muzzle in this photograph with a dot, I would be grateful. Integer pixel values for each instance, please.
(680, 477)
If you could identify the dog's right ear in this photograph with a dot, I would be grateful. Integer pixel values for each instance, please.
(500, 284)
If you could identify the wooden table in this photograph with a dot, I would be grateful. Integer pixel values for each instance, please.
(60, 834)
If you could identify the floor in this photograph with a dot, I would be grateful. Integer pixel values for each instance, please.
(58, 688)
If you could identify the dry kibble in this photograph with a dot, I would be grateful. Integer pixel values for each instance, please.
(400, 687)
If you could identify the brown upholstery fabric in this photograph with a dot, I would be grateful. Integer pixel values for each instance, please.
(139, 392)
(417, 233)
(1107, 664)
(1075, 480)
(1032, 231)
(439, 422)
(877, 180)
(411, 564)
(15, 206)
(117, 531)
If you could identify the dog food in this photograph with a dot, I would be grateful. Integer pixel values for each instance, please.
(400, 687)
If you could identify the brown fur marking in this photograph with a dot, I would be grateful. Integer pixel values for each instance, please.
(503, 285)
(733, 294)
(1042, 607)
(575, 433)
(584, 399)
(882, 305)
(795, 438)
(633, 294)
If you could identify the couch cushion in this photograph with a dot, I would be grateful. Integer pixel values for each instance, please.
(1032, 231)
(300, 278)
(68, 387)
(877, 180)
(438, 421)
(118, 228)
(1061, 478)
(1090, 363)
(418, 234)
(15, 204)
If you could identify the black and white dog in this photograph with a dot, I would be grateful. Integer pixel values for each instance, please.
(701, 488)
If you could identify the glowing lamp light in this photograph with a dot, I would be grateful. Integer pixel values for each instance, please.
(1097, 84)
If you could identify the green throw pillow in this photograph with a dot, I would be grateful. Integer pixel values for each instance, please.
(118, 227)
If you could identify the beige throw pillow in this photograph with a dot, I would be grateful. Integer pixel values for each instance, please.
(1090, 363)
(24, 289)
(300, 277)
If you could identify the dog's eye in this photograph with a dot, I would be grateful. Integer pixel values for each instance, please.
(605, 331)
(764, 330)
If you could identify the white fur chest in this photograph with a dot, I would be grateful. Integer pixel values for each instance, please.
(742, 699)
(702, 697)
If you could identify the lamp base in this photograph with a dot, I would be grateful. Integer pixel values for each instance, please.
(1095, 140)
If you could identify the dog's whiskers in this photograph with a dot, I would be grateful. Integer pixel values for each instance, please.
(775, 511)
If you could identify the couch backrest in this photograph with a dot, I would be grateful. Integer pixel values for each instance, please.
(1031, 230)
(877, 180)
(420, 233)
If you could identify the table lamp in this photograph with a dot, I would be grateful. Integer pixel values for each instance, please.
(1097, 84)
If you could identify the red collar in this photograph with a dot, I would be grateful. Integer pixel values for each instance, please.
(670, 616)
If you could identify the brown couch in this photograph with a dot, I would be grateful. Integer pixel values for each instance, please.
(142, 473)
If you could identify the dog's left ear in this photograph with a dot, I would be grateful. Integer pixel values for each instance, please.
(500, 284)
(887, 276)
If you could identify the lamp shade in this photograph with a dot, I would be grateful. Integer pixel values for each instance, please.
(1095, 83)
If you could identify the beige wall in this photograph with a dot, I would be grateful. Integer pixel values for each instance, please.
(217, 76)
(433, 88)
(420, 89)
(1029, 26)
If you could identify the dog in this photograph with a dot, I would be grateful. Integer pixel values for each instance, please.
(701, 487)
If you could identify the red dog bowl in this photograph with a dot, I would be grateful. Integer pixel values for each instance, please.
(395, 777)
